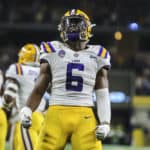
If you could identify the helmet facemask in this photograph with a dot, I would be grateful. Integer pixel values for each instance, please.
(74, 28)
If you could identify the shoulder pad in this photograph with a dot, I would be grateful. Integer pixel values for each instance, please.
(11, 69)
(47, 47)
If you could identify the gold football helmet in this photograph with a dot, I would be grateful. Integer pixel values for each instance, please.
(29, 54)
(75, 25)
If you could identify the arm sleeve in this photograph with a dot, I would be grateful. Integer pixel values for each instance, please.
(45, 52)
(103, 106)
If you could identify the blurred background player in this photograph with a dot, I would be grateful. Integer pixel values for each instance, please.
(3, 115)
(74, 70)
(21, 77)
(8, 108)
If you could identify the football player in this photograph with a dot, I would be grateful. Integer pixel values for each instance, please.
(20, 79)
(7, 107)
(3, 115)
(74, 68)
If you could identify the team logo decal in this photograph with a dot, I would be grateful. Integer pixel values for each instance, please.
(76, 55)
(61, 53)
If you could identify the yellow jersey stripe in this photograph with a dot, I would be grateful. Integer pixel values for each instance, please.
(47, 48)
(19, 69)
(103, 53)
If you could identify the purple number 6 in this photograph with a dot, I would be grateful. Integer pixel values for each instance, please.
(78, 86)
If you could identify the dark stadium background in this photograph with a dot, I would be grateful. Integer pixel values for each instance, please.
(123, 27)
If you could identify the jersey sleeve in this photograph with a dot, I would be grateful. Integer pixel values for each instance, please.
(103, 58)
(47, 49)
(11, 71)
(14, 72)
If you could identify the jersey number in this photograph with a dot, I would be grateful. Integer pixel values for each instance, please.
(74, 83)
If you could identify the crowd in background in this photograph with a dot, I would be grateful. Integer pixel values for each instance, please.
(104, 12)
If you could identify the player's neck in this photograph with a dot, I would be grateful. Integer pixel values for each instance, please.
(77, 46)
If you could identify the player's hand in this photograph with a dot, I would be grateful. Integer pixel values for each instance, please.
(8, 101)
(102, 131)
(25, 117)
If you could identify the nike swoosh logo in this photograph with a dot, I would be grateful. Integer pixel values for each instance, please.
(91, 56)
(87, 117)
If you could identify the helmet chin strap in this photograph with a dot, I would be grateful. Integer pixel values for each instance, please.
(74, 37)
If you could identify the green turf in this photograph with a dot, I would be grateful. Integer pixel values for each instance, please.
(7, 147)
(117, 147)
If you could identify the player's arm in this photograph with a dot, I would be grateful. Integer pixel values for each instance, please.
(36, 94)
(103, 103)
(10, 94)
(40, 87)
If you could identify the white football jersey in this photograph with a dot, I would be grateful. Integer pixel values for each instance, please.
(73, 73)
(26, 76)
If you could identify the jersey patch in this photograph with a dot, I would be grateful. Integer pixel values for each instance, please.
(47, 47)
(103, 53)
